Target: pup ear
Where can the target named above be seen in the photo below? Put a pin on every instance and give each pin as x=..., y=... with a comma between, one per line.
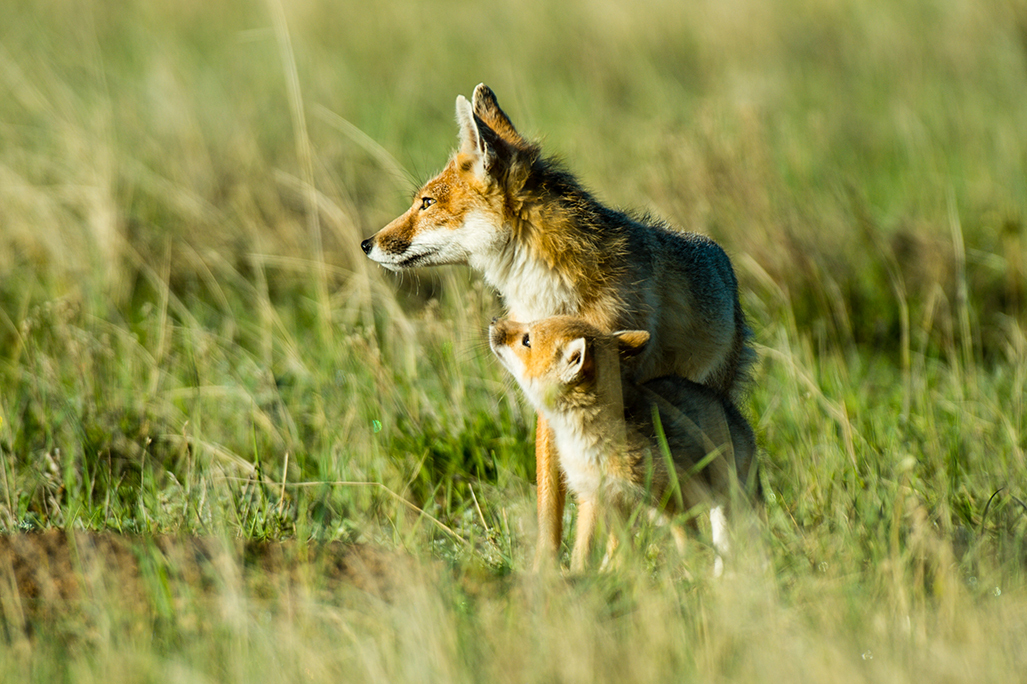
x=576, y=359
x=486, y=108
x=481, y=147
x=631, y=343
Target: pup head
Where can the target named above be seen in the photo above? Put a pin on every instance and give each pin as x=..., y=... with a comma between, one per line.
x=560, y=361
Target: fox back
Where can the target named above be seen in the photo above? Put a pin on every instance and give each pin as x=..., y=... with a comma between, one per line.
x=550, y=248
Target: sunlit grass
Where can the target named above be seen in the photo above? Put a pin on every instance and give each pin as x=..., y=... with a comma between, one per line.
x=179, y=356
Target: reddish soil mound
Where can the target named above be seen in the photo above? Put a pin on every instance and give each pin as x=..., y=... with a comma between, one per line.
x=47, y=574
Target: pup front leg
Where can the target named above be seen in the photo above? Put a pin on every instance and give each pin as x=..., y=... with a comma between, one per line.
x=588, y=514
x=610, y=558
x=551, y=496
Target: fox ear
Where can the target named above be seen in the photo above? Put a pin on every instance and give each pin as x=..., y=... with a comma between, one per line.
x=631, y=342
x=486, y=108
x=482, y=147
x=470, y=138
x=576, y=360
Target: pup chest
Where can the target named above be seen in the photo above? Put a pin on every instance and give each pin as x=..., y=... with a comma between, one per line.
x=583, y=459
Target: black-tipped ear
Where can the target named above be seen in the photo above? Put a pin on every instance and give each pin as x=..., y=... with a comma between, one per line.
x=485, y=149
x=631, y=342
x=495, y=151
x=470, y=140
x=486, y=107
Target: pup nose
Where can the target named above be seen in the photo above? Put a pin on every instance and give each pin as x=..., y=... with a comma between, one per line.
x=366, y=245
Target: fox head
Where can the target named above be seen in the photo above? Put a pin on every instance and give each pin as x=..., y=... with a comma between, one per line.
x=563, y=361
x=460, y=214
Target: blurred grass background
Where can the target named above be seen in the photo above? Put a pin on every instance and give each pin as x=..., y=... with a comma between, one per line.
x=191, y=341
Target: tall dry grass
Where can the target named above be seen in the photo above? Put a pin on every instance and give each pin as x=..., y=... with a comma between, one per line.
x=192, y=343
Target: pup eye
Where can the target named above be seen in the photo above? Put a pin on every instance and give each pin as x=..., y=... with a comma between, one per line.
x=526, y=341
x=427, y=202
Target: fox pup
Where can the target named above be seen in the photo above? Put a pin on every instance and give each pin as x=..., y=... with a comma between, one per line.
x=550, y=248
x=606, y=430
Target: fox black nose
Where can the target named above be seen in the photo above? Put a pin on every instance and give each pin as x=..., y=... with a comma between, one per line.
x=366, y=245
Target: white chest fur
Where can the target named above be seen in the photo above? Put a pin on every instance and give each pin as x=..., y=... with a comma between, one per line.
x=583, y=455
x=531, y=288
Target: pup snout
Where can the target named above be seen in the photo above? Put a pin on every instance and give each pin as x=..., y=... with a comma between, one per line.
x=503, y=330
x=496, y=335
x=367, y=244
x=499, y=332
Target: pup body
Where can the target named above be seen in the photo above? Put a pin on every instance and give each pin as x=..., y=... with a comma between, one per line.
x=605, y=428
x=550, y=248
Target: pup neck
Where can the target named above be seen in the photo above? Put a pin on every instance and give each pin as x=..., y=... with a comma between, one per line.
x=597, y=408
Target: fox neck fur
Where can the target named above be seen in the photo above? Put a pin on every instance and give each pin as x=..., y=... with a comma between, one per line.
x=543, y=266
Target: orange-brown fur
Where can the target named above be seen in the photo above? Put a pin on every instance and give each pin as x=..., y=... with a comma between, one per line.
x=607, y=436
x=549, y=247
x=551, y=494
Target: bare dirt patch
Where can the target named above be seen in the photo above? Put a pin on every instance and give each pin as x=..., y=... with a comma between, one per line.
x=58, y=575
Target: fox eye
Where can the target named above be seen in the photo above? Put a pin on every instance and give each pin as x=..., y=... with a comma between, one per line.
x=526, y=341
x=427, y=202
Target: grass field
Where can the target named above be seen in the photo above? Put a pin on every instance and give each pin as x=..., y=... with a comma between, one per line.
x=234, y=449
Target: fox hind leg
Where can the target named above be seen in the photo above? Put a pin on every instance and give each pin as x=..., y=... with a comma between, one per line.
x=718, y=528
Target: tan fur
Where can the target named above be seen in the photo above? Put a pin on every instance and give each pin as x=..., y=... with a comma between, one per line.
x=550, y=248
x=552, y=493
x=604, y=428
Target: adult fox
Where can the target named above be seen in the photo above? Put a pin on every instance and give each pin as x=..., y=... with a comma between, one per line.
x=550, y=248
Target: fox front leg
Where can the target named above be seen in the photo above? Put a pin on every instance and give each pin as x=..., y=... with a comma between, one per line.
x=552, y=493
